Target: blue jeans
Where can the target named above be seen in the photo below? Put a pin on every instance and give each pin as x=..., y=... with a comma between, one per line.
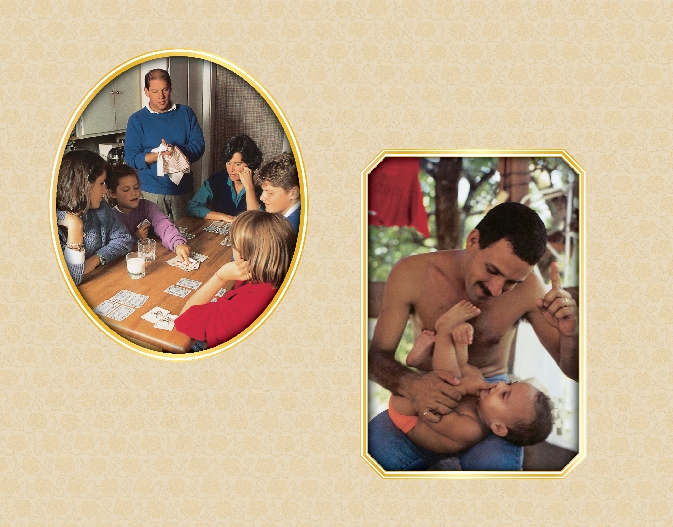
x=393, y=450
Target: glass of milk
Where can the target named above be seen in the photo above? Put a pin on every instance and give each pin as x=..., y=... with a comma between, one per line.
x=135, y=265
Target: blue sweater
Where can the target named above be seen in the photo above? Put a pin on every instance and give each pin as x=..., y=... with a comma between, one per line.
x=144, y=132
x=104, y=234
x=294, y=219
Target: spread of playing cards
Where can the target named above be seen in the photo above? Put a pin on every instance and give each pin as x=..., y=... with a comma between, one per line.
x=186, y=234
x=219, y=227
x=186, y=282
x=121, y=305
x=176, y=290
x=161, y=318
x=192, y=264
x=143, y=311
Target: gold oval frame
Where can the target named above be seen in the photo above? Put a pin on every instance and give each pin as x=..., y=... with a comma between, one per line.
x=582, y=400
x=301, y=235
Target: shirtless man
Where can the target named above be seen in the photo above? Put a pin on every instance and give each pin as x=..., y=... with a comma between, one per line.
x=499, y=256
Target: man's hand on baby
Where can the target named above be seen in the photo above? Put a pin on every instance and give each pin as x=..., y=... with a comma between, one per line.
x=432, y=394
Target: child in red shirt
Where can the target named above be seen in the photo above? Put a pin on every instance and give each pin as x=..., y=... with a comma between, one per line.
x=263, y=245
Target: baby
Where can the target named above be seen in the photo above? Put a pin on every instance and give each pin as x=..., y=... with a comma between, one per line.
x=518, y=412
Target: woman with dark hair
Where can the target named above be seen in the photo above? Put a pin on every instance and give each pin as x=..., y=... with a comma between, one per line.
x=89, y=230
x=229, y=192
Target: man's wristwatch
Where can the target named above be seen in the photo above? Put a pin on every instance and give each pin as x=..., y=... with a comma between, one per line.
x=102, y=260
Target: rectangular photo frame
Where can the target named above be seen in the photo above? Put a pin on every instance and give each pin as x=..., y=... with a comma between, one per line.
x=424, y=201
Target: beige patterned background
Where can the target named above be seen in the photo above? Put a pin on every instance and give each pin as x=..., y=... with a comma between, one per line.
x=268, y=433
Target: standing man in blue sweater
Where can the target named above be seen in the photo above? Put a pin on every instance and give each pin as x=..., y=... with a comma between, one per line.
x=162, y=122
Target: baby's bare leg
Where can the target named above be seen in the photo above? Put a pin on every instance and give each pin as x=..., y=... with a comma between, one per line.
x=462, y=337
x=461, y=312
x=421, y=353
x=445, y=356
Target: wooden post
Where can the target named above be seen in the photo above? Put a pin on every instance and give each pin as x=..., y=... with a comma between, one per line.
x=447, y=214
x=514, y=176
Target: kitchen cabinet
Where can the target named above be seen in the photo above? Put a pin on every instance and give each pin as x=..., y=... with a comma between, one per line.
x=109, y=111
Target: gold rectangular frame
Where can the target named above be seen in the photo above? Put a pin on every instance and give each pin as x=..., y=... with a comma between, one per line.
x=582, y=318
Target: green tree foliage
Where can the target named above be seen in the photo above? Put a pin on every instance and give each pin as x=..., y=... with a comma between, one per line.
x=479, y=184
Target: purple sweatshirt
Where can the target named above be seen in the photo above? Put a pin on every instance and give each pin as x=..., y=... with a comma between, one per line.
x=163, y=227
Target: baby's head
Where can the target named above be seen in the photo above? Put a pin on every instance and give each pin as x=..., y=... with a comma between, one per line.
x=123, y=187
x=517, y=411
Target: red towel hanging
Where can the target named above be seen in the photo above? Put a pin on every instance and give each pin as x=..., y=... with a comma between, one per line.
x=395, y=195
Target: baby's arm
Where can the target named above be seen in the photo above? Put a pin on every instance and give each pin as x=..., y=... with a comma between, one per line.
x=445, y=356
x=472, y=381
x=453, y=433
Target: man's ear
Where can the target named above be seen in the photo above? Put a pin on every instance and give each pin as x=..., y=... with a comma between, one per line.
x=472, y=239
x=499, y=428
x=294, y=193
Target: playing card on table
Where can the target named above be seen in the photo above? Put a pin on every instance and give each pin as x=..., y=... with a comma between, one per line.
x=178, y=291
x=191, y=264
x=219, y=227
x=129, y=298
x=198, y=257
x=120, y=313
x=104, y=308
x=219, y=294
x=191, y=284
x=155, y=314
x=167, y=322
x=186, y=234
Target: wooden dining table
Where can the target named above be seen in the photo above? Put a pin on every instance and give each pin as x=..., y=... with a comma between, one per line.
x=106, y=281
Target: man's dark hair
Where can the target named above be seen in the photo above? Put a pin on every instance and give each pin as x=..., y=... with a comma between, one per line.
x=519, y=225
x=157, y=74
x=244, y=145
x=536, y=431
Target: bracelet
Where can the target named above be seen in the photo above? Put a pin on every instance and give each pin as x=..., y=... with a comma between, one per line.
x=220, y=278
x=75, y=246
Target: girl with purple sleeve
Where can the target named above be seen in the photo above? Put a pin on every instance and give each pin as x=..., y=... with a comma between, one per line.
x=124, y=189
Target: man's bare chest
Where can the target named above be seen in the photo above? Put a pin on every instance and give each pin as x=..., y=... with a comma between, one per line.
x=496, y=321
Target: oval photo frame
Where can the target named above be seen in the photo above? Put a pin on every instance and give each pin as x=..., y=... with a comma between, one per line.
x=70, y=134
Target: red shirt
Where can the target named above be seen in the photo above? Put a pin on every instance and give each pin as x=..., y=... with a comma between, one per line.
x=218, y=322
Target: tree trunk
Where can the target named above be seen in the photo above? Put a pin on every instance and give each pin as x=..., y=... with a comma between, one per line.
x=514, y=176
x=447, y=215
